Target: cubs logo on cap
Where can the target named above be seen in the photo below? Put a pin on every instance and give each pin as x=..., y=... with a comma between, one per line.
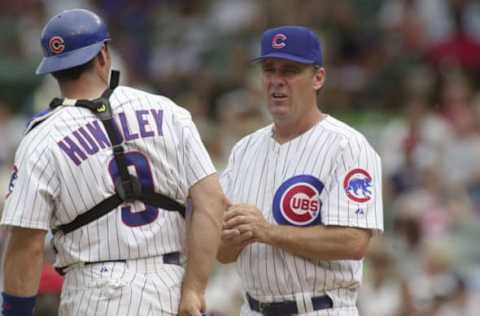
x=294, y=43
x=357, y=184
x=278, y=40
x=297, y=201
x=56, y=45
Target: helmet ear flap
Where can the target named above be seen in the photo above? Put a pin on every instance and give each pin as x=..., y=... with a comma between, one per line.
x=71, y=38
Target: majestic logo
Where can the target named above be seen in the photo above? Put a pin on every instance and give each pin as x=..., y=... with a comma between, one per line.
x=13, y=179
x=357, y=184
x=297, y=201
x=57, y=45
x=278, y=40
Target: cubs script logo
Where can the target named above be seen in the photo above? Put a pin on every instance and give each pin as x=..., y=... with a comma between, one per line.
x=357, y=184
x=278, y=40
x=297, y=201
x=56, y=44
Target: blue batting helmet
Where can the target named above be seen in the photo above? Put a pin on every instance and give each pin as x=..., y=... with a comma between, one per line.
x=71, y=38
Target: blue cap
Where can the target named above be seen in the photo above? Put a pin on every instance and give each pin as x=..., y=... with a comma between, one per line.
x=295, y=43
x=71, y=38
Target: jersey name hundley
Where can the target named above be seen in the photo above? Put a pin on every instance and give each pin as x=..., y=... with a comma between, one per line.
x=90, y=138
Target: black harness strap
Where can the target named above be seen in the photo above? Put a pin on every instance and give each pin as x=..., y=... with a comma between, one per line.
x=127, y=187
x=91, y=215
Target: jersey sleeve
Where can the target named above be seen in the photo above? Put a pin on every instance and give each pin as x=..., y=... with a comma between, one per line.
x=353, y=194
x=229, y=176
x=226, y=177
x=30, y=198
x=196, y=160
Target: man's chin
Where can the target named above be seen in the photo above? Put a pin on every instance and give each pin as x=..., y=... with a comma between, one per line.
x=279, y=116
x=278, y=109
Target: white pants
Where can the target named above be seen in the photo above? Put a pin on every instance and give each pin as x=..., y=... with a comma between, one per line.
x=137, y=287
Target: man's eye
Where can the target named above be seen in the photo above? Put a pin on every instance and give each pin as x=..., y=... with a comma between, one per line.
x=291, y=71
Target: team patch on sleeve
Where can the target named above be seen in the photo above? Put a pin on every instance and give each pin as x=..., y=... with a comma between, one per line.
x=13, y=179
x=358, y=185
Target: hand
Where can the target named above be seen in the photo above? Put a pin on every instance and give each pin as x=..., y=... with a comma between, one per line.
x=191, y=303
x=245, y=223
x=233, y=238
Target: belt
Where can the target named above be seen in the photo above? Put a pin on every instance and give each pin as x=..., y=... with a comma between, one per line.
x=287, y=308
x=168, y=258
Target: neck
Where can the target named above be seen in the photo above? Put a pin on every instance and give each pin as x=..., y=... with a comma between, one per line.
x=86, y=87
x=286, y=131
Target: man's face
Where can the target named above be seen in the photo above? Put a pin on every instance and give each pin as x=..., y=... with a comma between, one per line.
x=290, y=87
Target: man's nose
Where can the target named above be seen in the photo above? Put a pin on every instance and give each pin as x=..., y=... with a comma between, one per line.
x=277, y=78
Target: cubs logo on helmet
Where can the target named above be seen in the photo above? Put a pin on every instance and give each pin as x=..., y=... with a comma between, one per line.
x=297, y=201
x=278, y=40
x=357, y=185
x=57, y=45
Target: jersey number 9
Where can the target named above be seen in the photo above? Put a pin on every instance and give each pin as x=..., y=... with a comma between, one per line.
x=144, y=174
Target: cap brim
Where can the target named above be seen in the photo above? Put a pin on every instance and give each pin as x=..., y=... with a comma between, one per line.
x=284, y=56
x=68, y=60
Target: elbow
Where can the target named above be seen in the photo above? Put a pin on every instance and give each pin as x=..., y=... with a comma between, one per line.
x=222, y=207
x=359, y=252
x=213, y=210
x=31, y=254
x=359, y=244
x=27, y=240
x=222, y=204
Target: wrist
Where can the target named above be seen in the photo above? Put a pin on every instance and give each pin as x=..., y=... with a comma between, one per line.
x=271, y=232
x=17, y=305
x=191, y=286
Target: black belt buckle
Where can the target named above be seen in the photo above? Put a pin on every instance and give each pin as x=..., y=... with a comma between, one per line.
x=172, y=258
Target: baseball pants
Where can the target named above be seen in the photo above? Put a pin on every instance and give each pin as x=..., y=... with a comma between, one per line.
x=135, y=287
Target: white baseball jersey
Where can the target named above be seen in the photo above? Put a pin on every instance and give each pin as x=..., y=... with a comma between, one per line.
x=329, y=175
x=64, y=167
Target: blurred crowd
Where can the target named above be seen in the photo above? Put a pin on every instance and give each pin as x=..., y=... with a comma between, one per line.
x=404, y=72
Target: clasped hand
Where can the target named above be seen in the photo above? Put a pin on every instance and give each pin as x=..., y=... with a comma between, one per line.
x=244, y=224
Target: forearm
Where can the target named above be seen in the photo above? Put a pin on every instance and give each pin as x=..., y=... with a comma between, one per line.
x=320, y=242
x=23, y=265
x=22, y=274
x=202, y=245
x=228, y=253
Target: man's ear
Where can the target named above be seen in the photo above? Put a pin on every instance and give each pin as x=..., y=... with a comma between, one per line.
x=103, y=63
x=319, y=77
x=103, y=57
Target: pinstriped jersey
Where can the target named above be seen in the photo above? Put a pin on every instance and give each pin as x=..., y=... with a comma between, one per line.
x=64, y=166
x=329, y=175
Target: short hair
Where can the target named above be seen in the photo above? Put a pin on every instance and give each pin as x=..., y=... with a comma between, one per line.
x=75, y=72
